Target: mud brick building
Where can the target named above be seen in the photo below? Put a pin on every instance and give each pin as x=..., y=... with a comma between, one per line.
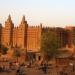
x=29, y=37
x=23, y=36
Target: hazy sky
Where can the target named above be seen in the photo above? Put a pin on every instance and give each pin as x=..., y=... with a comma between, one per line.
x=48, y=12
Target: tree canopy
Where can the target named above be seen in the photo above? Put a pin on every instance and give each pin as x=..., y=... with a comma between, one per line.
x=4, y=49
x=49, y=44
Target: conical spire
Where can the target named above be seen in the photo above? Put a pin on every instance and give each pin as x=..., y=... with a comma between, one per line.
x=23, y=22
x=9, y=22
x=23, y=19
x=9, y=18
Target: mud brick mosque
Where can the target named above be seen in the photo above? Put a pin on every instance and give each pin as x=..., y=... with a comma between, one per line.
x=29, y=37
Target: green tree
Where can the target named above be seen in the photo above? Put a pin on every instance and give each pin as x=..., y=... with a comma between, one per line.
x=73, y=36
x=17, y=53
x=4, y=49
x=49, y=44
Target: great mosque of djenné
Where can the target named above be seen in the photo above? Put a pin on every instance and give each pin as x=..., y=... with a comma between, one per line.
x=29, y=37
x=23, y=36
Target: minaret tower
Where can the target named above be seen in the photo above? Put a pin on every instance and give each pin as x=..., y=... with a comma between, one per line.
x=9, y=31
x=23, y=28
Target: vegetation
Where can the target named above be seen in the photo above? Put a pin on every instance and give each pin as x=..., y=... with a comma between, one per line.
x=73, y=34
x=4, y=49
x=49, y=44
x=16, y=52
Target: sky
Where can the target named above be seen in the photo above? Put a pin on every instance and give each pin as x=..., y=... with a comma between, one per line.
x=53, y=13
